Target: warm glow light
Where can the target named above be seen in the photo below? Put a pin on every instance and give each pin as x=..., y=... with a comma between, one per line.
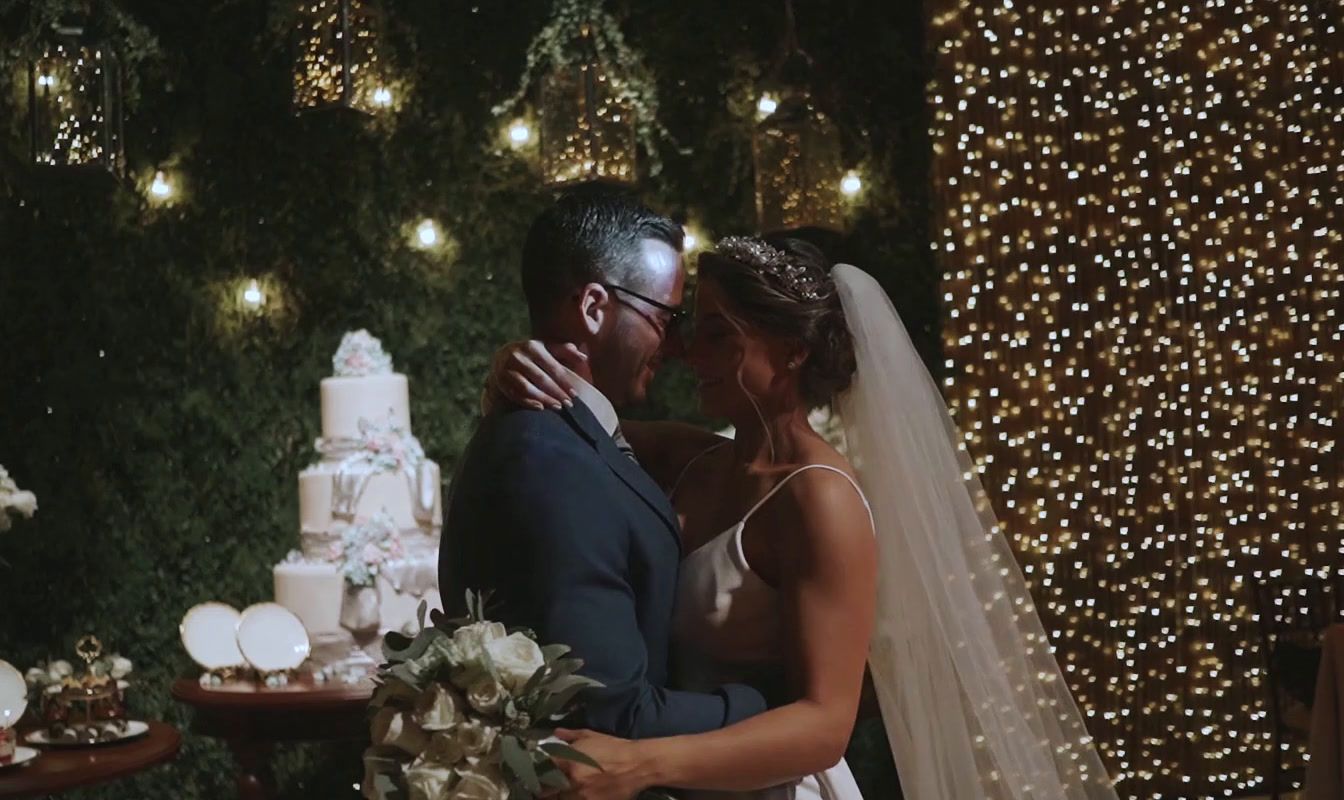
x=850, y=185
x=253, y=297
x=160, y=187
x=1138, y=222
x=519, y=133
x=767, y=105
x=427, y=233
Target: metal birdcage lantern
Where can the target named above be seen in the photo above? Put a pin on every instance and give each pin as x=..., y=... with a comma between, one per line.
x=796, y=148
x=587, y=126
x=75, y=102
x=797, y=155
x=339, y=63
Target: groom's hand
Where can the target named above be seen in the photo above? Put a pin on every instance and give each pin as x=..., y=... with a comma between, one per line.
x=625, y=768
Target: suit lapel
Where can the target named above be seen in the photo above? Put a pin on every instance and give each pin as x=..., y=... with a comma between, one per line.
x=625, y=468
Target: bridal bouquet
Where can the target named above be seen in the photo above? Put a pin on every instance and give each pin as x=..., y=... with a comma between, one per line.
x=461, y=713
x=13, y=500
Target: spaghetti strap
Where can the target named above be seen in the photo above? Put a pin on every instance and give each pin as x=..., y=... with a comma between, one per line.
x=676, y=484
x=802, y=469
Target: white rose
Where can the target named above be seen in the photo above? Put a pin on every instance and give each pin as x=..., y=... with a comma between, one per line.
x=480, y=781
x=23, y=502
x=444, y=748
x=468, y=651
x=60, y=669
x=438, y=708
x=485, y=695
x=476, y=737
x=516, y=658
x=396, y=728
x=121, y=667
x=428, y=781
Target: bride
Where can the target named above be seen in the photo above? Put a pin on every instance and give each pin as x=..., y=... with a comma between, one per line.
x=800, y=567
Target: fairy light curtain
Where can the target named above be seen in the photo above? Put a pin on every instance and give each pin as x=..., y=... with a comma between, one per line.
x=1138, y=216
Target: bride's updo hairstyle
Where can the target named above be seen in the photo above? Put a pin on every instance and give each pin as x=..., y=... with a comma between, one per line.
x=782, y=286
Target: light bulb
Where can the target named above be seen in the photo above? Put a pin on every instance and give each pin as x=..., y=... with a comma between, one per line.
x=46, y=80
x=427, y=233
x=519, y=133
x=850, y=185
x=767, y=105
x=253, y=297
x=688, y=241
x=160, y=187
x=382, y=96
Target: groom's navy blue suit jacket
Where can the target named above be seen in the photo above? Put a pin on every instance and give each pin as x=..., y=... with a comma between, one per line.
x=579, y=544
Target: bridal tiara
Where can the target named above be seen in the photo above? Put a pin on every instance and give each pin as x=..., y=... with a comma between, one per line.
x=773, y=262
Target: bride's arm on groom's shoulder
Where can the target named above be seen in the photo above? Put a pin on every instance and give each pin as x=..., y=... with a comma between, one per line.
x=665, y=448
x=828, y=585
x=532, y=374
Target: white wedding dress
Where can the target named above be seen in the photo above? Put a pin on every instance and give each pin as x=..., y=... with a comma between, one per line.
x=973, y=701
x=727, y=627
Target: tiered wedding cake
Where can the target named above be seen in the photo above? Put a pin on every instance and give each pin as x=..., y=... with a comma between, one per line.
x=369, y=511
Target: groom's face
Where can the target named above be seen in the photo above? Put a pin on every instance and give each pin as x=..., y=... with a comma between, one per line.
x=629, y=350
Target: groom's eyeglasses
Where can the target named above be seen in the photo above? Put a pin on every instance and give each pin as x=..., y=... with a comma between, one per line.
x=676, y=316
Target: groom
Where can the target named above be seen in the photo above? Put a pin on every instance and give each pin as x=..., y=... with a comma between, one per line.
x=549, y=509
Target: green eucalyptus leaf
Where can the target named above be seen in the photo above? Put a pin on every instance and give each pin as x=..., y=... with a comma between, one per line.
x=519, y=763
x=562, y=750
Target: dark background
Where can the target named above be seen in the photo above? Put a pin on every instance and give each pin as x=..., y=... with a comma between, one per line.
x=161, y=428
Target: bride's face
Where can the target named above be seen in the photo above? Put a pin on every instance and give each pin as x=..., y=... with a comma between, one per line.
x=731, y=359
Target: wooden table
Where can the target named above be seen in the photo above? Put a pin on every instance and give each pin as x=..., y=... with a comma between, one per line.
x=57, y=769
x=251, y=719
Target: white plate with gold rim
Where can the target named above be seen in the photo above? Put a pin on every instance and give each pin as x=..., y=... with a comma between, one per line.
x=209, y=632
x=22, y=755
x=272, y=638
x=13, y=695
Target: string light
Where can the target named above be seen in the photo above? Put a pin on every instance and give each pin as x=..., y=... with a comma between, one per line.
x=160, y=188
x=382, y=97
x=851, y=184
x=253, y=297
x=767, y=105
x=520, y=134
x=1141, y=237
x=427, y=234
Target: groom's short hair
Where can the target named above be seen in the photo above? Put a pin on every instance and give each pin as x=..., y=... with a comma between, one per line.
x=590, y=234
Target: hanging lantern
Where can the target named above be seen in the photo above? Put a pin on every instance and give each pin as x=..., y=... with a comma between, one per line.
x=796, y=149
x=799, y=169
x=75, y=102
x=339, y=63
x=587, y=122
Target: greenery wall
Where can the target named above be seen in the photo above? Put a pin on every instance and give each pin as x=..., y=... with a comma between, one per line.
x=162, y=428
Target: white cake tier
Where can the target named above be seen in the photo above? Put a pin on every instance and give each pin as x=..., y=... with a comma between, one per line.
x=411, y=506
x=317, y=592
x=346, y=400
x=313, y=591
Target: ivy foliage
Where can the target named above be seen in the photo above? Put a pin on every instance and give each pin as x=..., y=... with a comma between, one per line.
x=161, y=425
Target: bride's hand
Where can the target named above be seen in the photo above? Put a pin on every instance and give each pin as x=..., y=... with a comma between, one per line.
x=624, y=772
x=530, y=374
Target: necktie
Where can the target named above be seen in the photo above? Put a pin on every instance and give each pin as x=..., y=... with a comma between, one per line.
x=624, y=446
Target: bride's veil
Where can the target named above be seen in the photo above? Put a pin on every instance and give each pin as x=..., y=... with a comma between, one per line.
x=971, y=695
